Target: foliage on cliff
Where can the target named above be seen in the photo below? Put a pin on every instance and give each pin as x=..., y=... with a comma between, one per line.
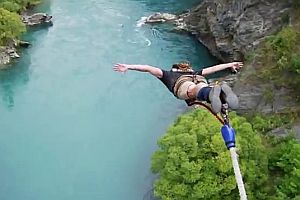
x=281, y=51
x=17, y=5
x=193, y=163
x=284, y=164
x=11, y=25
x=280, y=56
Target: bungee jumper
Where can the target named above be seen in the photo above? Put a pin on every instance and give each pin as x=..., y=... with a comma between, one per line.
x=189, y=85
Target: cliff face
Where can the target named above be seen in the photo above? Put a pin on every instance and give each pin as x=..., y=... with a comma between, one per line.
x=230, y=28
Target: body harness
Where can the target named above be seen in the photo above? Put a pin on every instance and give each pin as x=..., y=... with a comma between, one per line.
x=191, y=78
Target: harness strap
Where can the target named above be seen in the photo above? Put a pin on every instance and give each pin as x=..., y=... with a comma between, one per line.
x=192, y=78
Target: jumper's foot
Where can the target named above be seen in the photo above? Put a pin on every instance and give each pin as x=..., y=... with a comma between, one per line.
x=229, y=97
x=214, y=98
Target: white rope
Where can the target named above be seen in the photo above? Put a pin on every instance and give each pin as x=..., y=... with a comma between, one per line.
x=238, y=175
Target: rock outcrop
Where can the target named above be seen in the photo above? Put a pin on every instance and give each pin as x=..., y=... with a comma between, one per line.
x=9, y=52
x=4, y=57
x=230, y=28
x=258, y=96
x=264, y=98
x=160, y=18
x=37, y=19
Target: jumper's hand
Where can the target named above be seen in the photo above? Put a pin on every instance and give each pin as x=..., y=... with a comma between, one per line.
x=236, y=66
x=120, y=68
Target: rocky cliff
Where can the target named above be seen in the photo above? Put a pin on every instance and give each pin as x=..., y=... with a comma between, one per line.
x=230, y=28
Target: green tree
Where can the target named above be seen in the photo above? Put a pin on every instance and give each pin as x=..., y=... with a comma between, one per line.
x=285, y=163
x=10, y=6
x=17, y=5
x=193, y=162
x=11, y=26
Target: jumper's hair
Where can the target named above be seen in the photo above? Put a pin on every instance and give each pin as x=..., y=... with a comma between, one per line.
x=184, y=67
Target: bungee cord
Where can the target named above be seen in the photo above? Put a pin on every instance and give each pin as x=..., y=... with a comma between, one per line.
x=237, y=172
x=228, y=134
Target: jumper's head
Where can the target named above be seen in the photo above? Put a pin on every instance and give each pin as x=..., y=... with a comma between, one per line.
x=183, y=67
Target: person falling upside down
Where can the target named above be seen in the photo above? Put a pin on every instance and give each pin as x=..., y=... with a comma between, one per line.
x=189, y=85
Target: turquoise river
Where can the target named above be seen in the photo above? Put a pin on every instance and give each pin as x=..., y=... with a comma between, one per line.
x=73, y=129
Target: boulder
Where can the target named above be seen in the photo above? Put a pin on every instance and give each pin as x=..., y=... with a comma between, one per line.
x=6, y=55
x=8, y=52
x=12, y=53
x=4, y=58
x=23, y=44
x=160, y=18
x=37, y=19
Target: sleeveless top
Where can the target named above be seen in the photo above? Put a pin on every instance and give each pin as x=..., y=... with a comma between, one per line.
x=169, y=78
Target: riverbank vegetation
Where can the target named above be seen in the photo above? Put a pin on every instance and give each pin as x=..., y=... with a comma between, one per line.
x=11, y=25
x=17, y=5
x=193, y=163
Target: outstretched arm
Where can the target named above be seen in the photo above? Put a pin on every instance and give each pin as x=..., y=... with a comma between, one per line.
x=235, y=66
x=157, y=72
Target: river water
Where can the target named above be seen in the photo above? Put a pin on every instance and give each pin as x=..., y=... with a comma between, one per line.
x=70, y=127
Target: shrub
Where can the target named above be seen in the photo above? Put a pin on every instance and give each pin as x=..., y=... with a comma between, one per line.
x=17, y=5
x=285, y=161
x=265, y=123
x=283, y=43
x=295, y=63
x=193, y=162
x=281, y=59
x=11, y=26
x=296, y=3
x=10, y=6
